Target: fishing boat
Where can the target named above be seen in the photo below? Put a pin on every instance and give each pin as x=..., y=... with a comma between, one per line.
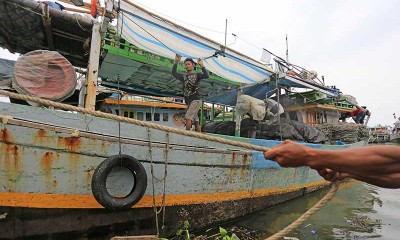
x=395, y=134
x=84, y=173
x=380, y=134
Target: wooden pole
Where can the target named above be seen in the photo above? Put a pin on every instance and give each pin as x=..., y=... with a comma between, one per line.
x=93, y=68
x=238, y=117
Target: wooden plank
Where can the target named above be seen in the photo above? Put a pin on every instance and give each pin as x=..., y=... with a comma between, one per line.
x=93, y=66
x=322, y=106
x=149, y=104
x=145, y=237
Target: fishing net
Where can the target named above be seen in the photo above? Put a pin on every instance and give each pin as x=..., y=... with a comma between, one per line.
x=343, y=131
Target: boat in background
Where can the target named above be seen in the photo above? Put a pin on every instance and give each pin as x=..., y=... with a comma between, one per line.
x=380, y=134
x=67, y=175
x=395, y=135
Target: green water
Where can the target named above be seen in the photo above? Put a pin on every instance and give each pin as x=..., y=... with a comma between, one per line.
x=358, y=211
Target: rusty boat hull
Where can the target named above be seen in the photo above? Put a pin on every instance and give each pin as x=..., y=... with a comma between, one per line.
x=48, y=157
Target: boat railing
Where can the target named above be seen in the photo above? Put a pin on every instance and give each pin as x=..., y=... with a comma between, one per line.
x=298, y=72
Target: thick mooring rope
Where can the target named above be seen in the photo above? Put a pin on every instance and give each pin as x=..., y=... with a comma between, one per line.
x=278, y=235
x=294, y=225
x=133, y=121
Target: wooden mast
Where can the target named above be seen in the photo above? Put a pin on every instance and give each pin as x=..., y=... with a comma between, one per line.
x=99, y=29
x=93, y=68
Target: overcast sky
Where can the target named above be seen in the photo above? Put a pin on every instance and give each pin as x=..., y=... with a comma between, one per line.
x=354, y=44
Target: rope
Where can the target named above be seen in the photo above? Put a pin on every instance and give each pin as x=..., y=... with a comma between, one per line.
x=307, y=214
x=152, y=182
x=291, y=227
x=134, y=121
x=166, y=151
x=162, y=207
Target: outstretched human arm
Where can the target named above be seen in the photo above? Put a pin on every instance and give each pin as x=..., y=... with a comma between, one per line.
x=174, y=72
x=204, y=72
x=386, y=181
x=362, y=162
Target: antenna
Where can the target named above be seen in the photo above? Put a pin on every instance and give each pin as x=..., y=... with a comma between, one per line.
x=287, y=50
x=226, y=30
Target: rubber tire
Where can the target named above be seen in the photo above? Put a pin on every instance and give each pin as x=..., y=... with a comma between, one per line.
x=101, y=173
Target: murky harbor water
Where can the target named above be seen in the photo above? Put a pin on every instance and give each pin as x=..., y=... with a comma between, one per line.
x=358, y=211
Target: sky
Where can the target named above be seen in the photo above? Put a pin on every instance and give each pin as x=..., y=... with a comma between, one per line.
x=354, y=44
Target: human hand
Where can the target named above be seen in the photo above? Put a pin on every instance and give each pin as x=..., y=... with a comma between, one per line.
x=200, y=62
x=332, y=176
x=290, y=154
x=177, y=58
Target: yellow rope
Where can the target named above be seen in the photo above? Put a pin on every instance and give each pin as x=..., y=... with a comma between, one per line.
x=278, y=235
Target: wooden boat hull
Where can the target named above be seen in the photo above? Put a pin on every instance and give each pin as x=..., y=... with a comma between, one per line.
x=104, y=224
x=48, y=157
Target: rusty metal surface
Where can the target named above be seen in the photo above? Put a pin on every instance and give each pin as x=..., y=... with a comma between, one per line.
x=48, y=157
x=51, y=159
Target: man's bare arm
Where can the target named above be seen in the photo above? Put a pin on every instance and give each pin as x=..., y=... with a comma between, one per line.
x=366, y=161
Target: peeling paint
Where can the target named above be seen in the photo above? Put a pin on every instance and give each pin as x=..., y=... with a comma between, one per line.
x=46, y=165
x=245, y=167
x=5, y=136
x=233, y=164
x=55, y=183
x=89, y=174
x=72, y=143
x=11, y=161
x=16, y=158
x=47, y=162
x=41, y=137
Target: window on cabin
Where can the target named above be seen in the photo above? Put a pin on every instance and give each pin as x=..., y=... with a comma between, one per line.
x=165, y=117
x=314, y=118
x=126, y=113
x=293, y=116
x=148, y=116
x=139, y=116
x=156, y=117
x=131, y=115
x=117, y=112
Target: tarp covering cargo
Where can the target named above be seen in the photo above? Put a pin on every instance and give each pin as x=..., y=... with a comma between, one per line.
x=288, y=129
x=247, y=104
x=44, y=74
x=228, y=127
x=6, y=72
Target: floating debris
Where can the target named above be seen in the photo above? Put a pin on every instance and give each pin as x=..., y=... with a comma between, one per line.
x=3, y=216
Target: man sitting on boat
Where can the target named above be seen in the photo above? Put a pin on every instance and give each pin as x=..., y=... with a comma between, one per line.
x=190, y=82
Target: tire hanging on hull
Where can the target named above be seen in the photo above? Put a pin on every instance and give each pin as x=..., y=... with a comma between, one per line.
x=101, y=173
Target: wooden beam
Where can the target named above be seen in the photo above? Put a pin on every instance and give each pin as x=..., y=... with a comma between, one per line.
x=146, y=237
x=93, y=68
x=296, y=108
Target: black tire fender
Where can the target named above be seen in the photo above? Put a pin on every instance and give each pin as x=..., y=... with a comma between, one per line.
x=101, y=173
